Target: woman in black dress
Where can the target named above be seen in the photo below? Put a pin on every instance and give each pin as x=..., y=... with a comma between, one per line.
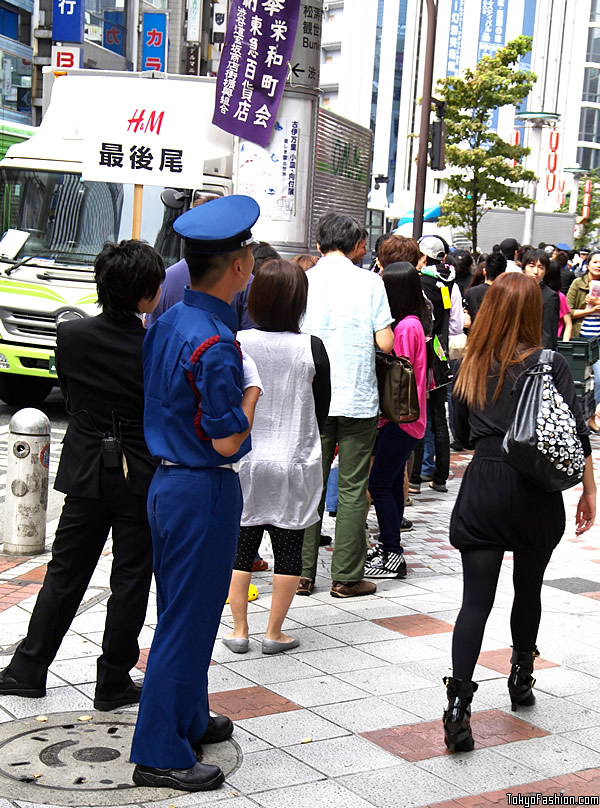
x=498, y=509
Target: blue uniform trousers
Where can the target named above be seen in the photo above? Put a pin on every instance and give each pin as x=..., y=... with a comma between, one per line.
x=194, y=516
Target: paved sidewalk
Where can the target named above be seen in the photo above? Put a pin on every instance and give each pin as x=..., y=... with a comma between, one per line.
x=352, y=716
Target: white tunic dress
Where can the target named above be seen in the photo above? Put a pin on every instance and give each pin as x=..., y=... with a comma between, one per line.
x=282, y=477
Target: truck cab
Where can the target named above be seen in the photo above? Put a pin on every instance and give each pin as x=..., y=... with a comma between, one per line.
x=54, y=224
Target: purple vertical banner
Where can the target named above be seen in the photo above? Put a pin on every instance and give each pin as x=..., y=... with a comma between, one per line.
x=254, y=66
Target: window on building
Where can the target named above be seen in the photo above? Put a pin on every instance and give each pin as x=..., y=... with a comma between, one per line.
x=106, y=24
x=591, y=85
x=595, y=11
x=9, y=23
x=588, y=158
x=593, y=46
x=589, y=125
x=15, y=93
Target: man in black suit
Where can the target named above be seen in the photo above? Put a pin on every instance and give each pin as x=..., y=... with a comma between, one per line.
x=535, y=264
x=105, y=470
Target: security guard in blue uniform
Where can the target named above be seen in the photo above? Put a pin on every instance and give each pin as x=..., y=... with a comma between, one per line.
x=199, y=405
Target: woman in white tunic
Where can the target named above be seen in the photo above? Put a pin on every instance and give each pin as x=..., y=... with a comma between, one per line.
x=281, y=477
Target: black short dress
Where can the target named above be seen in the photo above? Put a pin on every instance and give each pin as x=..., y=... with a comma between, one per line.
x=496, y=506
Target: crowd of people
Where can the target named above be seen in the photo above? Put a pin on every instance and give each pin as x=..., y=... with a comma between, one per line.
x=222, y=420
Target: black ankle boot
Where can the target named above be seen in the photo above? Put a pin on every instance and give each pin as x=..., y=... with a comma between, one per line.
x=520, y=680
x=457, y=716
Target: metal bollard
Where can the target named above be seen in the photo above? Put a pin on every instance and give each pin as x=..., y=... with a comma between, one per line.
x=27, y=482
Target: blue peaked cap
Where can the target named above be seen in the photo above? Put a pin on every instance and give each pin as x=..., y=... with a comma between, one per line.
x=219, y=226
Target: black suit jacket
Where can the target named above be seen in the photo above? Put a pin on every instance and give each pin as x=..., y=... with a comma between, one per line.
x=551, y=305
x=99, y=367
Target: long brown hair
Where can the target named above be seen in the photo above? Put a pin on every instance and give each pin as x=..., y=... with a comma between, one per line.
x=507, y=329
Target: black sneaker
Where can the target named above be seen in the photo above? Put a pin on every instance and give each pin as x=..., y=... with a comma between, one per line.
x=386, y=565
x=405, y=525
x=374, y=551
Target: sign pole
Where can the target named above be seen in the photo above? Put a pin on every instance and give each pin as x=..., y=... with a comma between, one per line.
x=136, y=219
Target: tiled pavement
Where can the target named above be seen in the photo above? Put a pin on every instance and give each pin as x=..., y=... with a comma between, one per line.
x=352, y=716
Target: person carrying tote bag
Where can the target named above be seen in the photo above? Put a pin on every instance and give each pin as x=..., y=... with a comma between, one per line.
x=498, y=508
x=396, y=441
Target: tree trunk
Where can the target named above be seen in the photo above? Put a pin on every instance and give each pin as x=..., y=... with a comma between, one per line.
x=474, y=222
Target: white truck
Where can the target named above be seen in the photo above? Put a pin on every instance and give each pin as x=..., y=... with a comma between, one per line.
x=55, y=221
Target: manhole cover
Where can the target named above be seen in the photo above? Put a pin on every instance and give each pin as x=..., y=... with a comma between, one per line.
x=69, y=761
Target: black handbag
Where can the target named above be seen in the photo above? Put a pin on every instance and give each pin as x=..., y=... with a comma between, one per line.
x=398, y=397
x=542, y=441
x=438, y=367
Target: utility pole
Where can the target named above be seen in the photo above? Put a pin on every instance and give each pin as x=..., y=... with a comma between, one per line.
x=419, y=209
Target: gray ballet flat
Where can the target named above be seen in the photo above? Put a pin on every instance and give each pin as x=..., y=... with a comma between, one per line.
x=239, y=645
x=275, y=647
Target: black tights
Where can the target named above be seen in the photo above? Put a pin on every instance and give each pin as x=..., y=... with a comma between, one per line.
x=481, y=569
x=287, y=548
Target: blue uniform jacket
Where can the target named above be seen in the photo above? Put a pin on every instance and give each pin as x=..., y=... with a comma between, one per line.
x=193, y=393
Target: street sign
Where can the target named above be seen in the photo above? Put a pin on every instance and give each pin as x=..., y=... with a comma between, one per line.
x=63, y=56
x=154, y=39
x=68, y=17
x=113, y=33
x=305, y=62
x=219, y=22
x=194, y=21
x=192, y=60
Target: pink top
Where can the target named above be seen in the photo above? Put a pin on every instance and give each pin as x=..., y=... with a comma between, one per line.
x=409, y=341
x=563, y=308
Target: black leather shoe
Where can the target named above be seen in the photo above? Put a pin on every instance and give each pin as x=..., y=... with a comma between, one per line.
x=219, y=729
x=201, y=777
x=11, y=686
x=119, y=698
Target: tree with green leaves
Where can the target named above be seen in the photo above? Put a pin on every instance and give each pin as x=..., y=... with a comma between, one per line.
x=592, y=223
x=484, y=169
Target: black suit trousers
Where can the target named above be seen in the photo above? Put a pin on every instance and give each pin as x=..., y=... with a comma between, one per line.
x=436, y=412
x=80, y=538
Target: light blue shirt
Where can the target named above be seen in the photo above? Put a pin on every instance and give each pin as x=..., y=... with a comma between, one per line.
x=346, y=306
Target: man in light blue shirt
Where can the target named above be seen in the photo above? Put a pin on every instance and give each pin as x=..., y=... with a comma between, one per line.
x=348, y=309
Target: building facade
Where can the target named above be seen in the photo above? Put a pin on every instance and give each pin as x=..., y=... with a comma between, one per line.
x=16, y=55
x=565, y=57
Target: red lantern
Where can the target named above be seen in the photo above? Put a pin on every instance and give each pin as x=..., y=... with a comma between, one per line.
x=554, y=138
x=587, y=187
x=550, y=182
x=561, y=186
x=552, y=161
x=561, y=198
x=515, y=137
x=587, y=199
x=585, y=214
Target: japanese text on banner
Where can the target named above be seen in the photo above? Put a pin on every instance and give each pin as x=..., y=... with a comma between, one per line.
x=455, y=36
x=154, y=47
x=254, y=66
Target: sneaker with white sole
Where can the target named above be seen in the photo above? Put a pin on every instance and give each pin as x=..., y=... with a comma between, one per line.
x=373, y=551
x=405, y=525
x=386, y=564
